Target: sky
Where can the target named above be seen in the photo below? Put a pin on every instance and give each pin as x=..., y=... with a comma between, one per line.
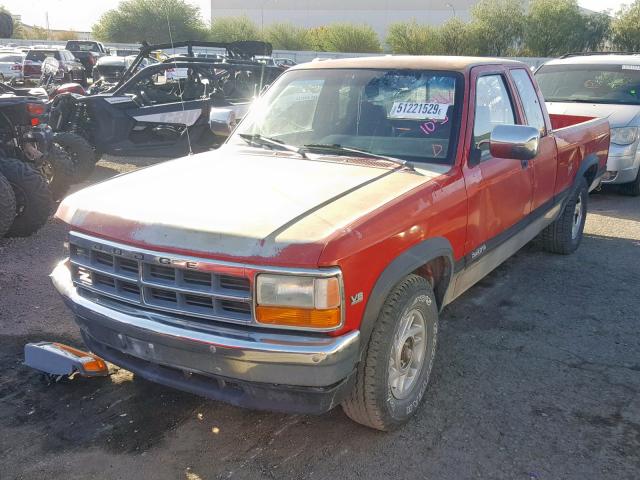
x=81, y=14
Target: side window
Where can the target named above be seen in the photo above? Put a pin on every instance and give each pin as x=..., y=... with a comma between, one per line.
x=529, y=98
x=493, y=107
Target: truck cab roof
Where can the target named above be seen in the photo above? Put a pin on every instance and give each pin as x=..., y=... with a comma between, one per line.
x=410, y=62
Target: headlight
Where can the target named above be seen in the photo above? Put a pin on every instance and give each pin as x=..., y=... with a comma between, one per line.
x=298, y=301
x=624, y=135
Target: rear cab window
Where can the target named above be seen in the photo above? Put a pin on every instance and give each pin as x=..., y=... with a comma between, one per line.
x=40, y=55
x=529, y=97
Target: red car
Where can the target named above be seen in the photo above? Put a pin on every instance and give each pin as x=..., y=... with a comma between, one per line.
x=303, y=265
x=71, y=70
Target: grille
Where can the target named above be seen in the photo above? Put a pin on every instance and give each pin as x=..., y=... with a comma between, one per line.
x=133, y=277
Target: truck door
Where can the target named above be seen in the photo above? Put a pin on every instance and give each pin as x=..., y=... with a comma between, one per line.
x=499, y=190
x=545, y=165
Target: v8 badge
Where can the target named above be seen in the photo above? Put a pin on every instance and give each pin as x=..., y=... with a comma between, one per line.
x=357, y=298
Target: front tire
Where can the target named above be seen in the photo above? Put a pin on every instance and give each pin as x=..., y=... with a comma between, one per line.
x=564, y=235
x=393, y=375
x=33, y=198
x=7, y=206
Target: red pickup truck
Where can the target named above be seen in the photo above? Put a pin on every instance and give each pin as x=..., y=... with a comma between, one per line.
x=303, y=264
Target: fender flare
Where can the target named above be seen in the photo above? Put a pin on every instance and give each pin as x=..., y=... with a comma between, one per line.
x=407, y=262
x=588, y=162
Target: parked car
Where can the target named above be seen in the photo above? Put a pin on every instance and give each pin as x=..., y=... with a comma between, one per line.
x=284, y=62
x=71, y=70
x=303, y=264
x=163, y=109
x=606, y=85
x=86, y=52
x=110, y=69
x=11, y=66
x=123, y=52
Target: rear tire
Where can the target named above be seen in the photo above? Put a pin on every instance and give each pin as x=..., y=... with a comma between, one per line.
x=393, y=375
x=80, y=151
x=58, y=169
x=7, y=206
x=33, y=198
x=564, y=235
x=632, y=188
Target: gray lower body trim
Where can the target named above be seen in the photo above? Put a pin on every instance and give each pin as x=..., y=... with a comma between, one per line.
x=477, y=270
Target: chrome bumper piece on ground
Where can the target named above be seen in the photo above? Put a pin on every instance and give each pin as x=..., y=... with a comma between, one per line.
x=308, y=373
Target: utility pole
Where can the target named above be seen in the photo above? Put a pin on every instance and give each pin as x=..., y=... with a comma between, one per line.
x=46, y=16
x=452, y=8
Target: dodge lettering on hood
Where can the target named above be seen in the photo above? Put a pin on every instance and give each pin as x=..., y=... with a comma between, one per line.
x=304, y=264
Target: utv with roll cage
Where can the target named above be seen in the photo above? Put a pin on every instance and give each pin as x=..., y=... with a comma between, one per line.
x=163, y=109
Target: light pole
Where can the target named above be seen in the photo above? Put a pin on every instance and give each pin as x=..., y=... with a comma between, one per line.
x=262, y=14
x=452, y=8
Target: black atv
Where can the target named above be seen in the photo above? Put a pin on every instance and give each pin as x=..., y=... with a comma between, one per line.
x=163, y=109
x=37, y=171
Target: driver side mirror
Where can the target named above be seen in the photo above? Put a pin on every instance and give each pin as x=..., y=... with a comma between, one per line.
x=222, y=121
x=519, y=142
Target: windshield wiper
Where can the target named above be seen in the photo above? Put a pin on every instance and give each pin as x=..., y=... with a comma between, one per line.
x=259, y=140
x=338, y=149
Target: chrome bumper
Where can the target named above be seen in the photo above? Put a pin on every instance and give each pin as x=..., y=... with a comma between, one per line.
x=236, y=353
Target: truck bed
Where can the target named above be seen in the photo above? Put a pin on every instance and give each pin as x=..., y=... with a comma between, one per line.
x=578, y=137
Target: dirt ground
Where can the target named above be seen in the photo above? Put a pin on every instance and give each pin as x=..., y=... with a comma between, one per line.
x=537, y=377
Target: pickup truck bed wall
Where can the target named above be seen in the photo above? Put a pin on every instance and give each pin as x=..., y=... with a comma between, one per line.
x=582, y=143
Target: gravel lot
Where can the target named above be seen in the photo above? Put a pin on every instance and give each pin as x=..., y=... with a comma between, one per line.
x=537, y=377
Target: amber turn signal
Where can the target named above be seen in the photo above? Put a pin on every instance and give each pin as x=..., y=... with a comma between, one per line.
x=91, y=363
x=298, y=317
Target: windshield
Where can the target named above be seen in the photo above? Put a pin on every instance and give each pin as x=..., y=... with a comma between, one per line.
x=406, y=114
x=616, y=84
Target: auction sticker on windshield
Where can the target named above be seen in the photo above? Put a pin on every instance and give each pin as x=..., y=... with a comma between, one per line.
x=419, y=111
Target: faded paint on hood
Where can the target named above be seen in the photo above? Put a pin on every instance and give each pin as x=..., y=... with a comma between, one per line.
x=231, y=204
x=618, y=115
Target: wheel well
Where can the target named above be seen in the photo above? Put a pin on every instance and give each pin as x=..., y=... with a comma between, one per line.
x=590, y=174
x=438, y=273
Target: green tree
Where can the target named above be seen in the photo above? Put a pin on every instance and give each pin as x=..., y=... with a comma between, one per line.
x=496, y=27
x=625, y=30
x=597, y=30
x=454, y=38
x=137, y=20
x=345, y=37
x=554, y=27
x=413, y=39
x=287, y=36
x=232, y=29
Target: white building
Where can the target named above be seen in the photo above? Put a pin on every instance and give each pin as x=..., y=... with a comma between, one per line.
x=312, y=13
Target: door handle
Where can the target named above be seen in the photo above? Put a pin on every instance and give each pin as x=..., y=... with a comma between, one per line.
x=524, y=163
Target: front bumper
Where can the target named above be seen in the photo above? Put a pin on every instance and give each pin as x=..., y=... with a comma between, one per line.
x=245, y=367
x=625, y=166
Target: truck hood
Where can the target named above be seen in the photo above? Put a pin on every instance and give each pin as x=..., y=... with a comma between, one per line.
x=618, y=115
x=236, y=203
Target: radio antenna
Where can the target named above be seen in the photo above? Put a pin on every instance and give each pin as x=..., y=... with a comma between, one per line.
x=180, y=91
